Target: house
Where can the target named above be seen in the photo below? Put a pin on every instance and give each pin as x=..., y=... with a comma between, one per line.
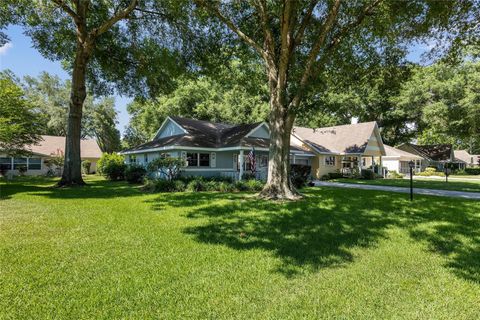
x=345, y=148
x=469, y=160
x=47, y=148
x=434, y=155
x=213, y=149
x=398, y=160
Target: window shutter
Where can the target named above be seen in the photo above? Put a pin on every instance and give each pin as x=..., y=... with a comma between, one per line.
x=213, y=159
x=184, y=157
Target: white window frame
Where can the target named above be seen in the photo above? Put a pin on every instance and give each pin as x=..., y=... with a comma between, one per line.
x=334, y=161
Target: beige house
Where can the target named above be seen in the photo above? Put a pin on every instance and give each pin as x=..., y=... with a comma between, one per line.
x=469, y=160
x=48, y=147
x=398, y=160
x=344, y=148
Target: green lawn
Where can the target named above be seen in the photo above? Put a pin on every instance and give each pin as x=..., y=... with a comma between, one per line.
x=470, y=186
x=109, y=251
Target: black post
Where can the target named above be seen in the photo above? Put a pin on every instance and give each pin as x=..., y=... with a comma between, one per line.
x=411, y=183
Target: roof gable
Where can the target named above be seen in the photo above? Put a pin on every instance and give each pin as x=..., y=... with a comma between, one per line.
x=261, y=131
x=169, y=128
x=352, y=138
x=435, y=152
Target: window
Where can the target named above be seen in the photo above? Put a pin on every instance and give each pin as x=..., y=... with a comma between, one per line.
x=6, y=163
x=19, y=163
x=34, y=164
x=330, y=161
x=133, y=158
x=364, y=162
x=204, y=159
x=192, y=159
x=263, y=161
x=301, y=161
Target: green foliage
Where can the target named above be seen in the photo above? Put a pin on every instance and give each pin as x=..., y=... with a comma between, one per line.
x=86, y=166
x=207, y=98
x=197, y=185
x=299, y=175
x=473, y=171
x=18, y=120
x=51, y=97
x=169, y=167
x=430, y=172
x=135, y=173
x=367, y=174
x=395, y=175
x=446, y=102
x=112, y=166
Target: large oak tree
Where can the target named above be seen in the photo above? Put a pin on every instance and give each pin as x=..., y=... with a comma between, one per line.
x=299, y=41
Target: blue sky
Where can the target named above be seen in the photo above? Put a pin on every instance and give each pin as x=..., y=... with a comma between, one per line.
x=19, y=56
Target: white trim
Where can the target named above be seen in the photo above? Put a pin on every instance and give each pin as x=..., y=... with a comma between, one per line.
x=163, y=124
x=257, y=127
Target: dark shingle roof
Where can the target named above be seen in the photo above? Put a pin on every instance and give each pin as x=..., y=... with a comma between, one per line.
x=205, y=134
x=435, y=152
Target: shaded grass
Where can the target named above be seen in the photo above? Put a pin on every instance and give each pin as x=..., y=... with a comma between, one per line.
x=467, y=186
x=109, y=251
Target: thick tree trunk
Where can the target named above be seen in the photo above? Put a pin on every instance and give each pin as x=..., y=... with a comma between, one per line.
x=72, y=173
x=279, y=186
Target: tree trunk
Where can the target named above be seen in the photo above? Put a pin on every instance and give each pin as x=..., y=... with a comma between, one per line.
x=72, y=173
x=279, y=186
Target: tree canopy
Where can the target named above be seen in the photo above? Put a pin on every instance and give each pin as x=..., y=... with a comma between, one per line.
x=18, y=120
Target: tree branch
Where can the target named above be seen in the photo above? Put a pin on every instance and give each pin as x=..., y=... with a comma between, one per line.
x=207, y=4
x=269, y=40
x=110, y=22
x=67, y=9
x=305, y=21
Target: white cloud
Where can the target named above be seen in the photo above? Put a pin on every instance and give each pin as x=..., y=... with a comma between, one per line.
x=4, y=48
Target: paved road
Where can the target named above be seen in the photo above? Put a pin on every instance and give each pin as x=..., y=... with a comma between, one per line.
x=428, y=192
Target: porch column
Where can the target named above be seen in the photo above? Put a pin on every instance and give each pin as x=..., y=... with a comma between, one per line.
x=241, y=165
x=293, y=158
x=359, y=163
x=381, y=167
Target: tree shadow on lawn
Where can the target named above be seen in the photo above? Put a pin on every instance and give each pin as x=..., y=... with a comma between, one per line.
x=95, y=189
x=324, y=229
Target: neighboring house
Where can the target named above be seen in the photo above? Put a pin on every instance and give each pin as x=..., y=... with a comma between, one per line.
x=398, y=160
x=343, y=148
x=470, y=160
x=48, y=147
x=435, y=155
x=212, y=149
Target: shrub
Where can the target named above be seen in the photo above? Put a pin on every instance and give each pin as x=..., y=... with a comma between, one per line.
x=196, y=185
x=22, y=169
x=86, y=165
x=473, y=171
x=334, y=175
x=135, y=173
x=179, y=186
x=248, y=176
x=169, y=167
x=241, y=186
x=368, y=174
x=3, y=169
x=211, y=185
x=111, y=165
x=395, y=175
x=254, y=185
x=164, y=186
x=430, y=171
x=299, y=174
x=225, y=186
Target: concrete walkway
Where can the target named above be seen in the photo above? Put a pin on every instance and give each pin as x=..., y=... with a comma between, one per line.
x=428, y=192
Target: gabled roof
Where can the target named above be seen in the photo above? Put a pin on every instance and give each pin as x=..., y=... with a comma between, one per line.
x=349, y=138
x=435, y=152
x=394, y=152
x=465, y=156
x=206, y=134
x=49, y=145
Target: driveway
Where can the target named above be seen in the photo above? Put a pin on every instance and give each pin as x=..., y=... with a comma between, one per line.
x=427, y=192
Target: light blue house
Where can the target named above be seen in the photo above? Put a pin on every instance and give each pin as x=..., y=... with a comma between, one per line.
x=213, y=149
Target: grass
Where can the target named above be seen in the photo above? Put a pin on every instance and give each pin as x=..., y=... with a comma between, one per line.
x=468, y=186
x=108, y=251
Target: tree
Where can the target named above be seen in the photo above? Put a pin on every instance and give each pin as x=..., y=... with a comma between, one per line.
x=18, y=121
x=299, y=40
x=57, y=26
x=104, y=125
x=446, y=103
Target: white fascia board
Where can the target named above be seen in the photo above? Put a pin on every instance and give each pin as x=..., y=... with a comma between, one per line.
x=165, y=122
x=259, y=126
x=191, y=148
